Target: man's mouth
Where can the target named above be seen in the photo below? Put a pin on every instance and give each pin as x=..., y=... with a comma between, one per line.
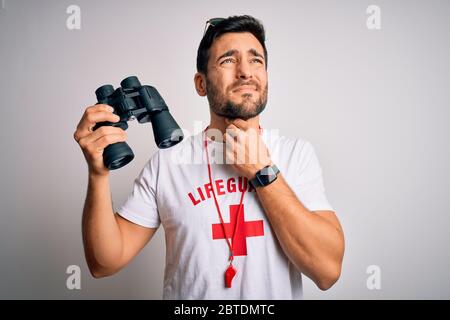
x=245, y=87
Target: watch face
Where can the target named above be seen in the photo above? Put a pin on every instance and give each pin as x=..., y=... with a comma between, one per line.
x=266, y=175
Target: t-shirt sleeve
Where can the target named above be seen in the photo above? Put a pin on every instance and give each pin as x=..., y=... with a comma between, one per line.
x=309, y=186
x=141, y=205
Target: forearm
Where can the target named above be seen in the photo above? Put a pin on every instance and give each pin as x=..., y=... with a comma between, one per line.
x=101, y=233
x=311, y=242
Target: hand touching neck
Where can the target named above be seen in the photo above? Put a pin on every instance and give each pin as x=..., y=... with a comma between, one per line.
x=219, y=122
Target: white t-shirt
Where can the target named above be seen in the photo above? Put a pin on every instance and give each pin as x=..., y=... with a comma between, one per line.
x=173, y=189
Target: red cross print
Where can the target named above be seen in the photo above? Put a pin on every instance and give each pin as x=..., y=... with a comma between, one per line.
x=244, y=229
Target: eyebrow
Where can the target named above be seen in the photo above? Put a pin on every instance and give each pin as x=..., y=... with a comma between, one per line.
x=232, y=52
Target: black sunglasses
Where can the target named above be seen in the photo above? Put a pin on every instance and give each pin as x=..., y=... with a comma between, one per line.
x=212, y=22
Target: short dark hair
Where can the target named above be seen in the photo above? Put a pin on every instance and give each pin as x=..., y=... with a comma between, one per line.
x=244, y=23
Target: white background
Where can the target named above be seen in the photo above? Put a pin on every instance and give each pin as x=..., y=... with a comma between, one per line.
x=374, y=103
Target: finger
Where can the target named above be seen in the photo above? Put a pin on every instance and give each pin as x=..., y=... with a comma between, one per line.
x=99, y=107
x=231, y=145
x=240, y=123
x=229, y=157
x=92, y=118
x=231, y=126
x=95, y=109
x=238, y=134
x=100, y=116
x=232, y=130
x=100, y=144
x=229, y=150
x=253, y=138
x=102, y=131
x=84, y=127
x=229, y=140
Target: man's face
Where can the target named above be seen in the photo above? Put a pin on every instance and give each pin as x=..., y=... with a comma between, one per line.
x=236, y=82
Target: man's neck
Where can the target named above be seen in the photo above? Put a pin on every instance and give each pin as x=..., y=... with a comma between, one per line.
x=218, y=122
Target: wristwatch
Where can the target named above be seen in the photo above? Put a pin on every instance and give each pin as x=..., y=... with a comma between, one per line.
x=265, y=176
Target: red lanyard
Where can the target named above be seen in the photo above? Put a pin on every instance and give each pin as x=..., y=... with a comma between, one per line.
x=231, y=271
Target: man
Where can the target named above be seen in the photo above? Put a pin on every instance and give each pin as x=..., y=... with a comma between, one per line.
x=239, y=229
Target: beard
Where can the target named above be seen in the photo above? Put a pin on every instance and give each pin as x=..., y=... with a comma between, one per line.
x=245, y=110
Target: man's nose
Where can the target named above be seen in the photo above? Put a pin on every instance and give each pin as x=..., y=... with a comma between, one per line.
x=244, y=70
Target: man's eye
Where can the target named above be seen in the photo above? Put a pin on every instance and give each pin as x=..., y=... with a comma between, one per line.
x=228, y=60
x=257, y=60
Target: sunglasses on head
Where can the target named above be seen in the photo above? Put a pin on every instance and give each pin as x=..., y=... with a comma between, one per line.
x=212, y=22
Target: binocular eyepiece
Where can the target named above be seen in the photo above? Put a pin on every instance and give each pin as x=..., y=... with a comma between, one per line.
x=134, y=101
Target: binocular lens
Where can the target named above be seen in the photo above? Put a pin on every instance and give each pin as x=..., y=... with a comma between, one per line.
x=130, y=83
x=167, y=143
x=175, y=137
x=104, y=91
x=119, y=163
x=117, y=155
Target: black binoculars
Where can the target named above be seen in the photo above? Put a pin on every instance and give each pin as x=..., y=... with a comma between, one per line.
x=133, y=101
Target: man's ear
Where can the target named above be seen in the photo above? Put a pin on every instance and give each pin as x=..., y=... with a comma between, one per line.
x=200, y=84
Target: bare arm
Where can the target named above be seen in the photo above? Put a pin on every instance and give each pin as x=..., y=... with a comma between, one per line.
x=313, y=241
x=110, y=241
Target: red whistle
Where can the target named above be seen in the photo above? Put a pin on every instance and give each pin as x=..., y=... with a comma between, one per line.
x=229, y=275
